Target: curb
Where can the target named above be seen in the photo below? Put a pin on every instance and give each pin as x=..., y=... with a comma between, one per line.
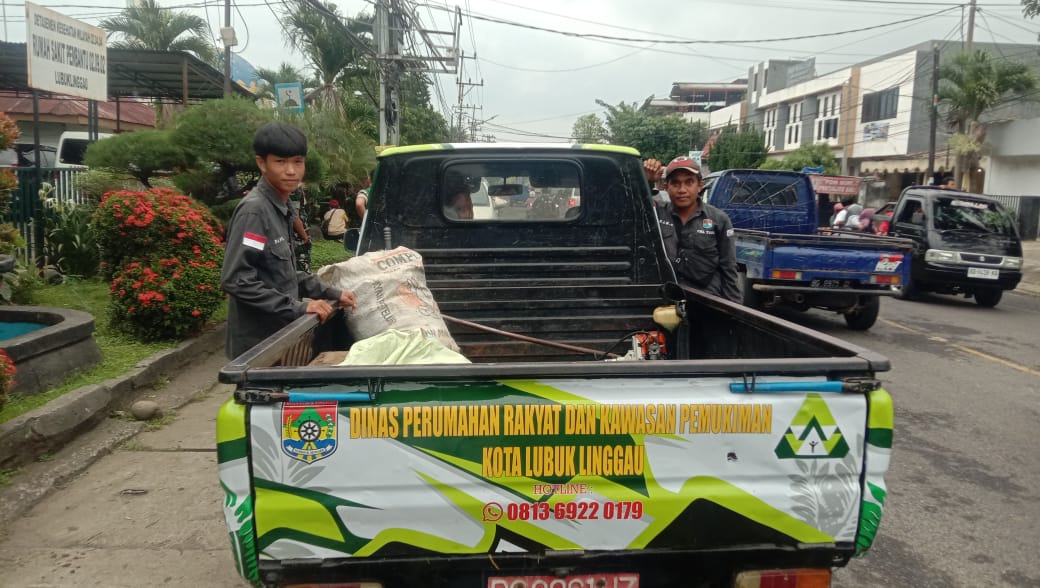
x=48, y=428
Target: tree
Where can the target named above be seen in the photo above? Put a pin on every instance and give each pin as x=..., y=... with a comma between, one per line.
x=146, y=25
x=589, y=129
x=139, y=154
x=334, y=50
x=738, y=149
x=971, y=85
x=286, y=73
x=660, y=136
x=220, y=135
x=1030, y=8
x=814, y=155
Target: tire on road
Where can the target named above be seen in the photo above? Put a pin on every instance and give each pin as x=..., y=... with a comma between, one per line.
x=865, y=315
x=988, y=298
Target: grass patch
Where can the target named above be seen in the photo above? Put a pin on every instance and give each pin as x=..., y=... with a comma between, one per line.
x=6, y=475
x=119, y=352
x=326, y=252
x=157, y=423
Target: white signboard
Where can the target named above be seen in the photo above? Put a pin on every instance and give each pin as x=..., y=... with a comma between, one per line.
x=65, y=56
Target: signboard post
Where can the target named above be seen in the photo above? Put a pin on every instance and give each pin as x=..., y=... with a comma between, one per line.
x=289, y=96
x=64, y=55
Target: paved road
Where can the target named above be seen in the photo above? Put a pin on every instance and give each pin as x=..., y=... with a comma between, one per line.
x=965, y=475
x=965, y=480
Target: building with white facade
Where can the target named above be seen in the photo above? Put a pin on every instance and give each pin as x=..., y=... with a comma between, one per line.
x=875, y=114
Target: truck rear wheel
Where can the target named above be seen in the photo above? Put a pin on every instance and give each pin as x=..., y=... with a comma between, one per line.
x=865, y=315
x=988, y=298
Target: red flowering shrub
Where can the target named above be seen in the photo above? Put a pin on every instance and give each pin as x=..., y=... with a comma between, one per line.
x=154, y=224
x=168, y=299
x=162, y=251
x=6, y=376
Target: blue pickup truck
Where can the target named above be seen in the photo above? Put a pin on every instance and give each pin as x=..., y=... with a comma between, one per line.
x=784, y=259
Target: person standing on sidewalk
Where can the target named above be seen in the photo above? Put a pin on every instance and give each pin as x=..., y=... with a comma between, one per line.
x=259, y=273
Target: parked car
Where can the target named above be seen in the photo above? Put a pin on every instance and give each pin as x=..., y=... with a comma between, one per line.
x=23, y=155
x=72, y=146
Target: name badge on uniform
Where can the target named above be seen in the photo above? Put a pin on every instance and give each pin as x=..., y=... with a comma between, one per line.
x=253, y=240
x=707, y=224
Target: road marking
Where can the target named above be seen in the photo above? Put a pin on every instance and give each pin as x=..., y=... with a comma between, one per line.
x=975, y=352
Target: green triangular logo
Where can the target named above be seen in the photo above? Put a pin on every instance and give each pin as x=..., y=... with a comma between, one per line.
x=813, y=433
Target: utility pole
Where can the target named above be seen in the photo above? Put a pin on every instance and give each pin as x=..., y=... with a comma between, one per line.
x=971, y=23
x=933, y=123
x=394, y=21
x=227, y=48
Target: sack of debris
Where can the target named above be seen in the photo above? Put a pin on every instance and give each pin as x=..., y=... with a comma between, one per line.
x=391, y=292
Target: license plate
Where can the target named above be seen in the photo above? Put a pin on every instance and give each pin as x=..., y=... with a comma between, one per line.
x=623, y=580
x=984, y=273
x=835, y=284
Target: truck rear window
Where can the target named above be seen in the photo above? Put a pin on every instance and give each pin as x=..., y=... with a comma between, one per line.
x=537, y=191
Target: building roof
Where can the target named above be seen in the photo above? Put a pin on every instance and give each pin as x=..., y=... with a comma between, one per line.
x=173, y=75
x=131, y=112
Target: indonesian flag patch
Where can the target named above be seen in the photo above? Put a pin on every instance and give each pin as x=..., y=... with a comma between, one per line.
x=253, y=240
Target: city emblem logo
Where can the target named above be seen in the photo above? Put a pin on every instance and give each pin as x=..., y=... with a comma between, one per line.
x=813, y=434
x=309, y=430
x=707, y=224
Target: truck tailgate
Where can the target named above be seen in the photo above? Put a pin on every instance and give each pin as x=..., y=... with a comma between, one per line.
x=853, y=257
x=530, y=467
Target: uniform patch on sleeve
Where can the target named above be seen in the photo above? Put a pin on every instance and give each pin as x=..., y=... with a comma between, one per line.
x=729, y=232
x=253, y=240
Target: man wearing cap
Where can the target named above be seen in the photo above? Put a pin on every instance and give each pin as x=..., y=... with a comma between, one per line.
x=698, y=238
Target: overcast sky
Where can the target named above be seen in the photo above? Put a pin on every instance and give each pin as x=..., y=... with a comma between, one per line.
x=536, y=82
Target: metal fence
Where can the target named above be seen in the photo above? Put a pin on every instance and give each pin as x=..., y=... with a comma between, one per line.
x=27, y=208
x=1027, y=211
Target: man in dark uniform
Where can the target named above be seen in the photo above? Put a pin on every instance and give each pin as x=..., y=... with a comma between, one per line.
x=698, y=237
x=259, y=273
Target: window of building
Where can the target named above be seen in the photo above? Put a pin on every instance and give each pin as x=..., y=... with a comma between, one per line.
x=880, y=105
x=827, y=119
x=794, y=124
x=769, y=126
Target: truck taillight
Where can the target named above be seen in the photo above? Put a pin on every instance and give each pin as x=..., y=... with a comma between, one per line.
x=796, y=578
x=879, y=279
x=786, y=275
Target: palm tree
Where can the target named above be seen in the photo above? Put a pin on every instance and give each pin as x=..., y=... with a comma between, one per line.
x=971, y=85
x=285, y=74
x=146, y=25
x=335, y=50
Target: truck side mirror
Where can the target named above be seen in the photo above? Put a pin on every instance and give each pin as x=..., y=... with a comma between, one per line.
x=351, y=239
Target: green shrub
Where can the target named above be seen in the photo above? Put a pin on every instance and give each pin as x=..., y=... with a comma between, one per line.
x=224, y=210
x=71, y=243
x=95, y=183
x=154, y=224
x=168, y=299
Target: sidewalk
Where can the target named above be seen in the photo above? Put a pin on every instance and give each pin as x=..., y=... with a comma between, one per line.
x=147, y=511
x=1030, y=283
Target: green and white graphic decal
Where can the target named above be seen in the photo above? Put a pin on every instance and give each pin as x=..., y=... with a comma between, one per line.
x=879, y=454
x=813, y=434
x=232, y=447
x=526, y=466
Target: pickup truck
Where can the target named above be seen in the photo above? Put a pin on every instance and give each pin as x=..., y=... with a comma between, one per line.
x=724, y=447
x=784, y=259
